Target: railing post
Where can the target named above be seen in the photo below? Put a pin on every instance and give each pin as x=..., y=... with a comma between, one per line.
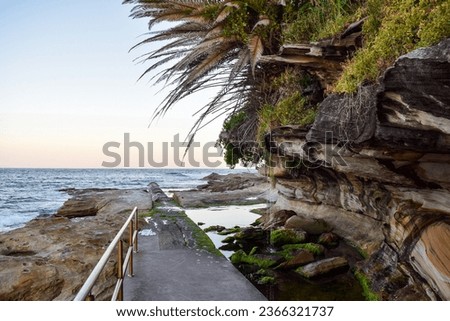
x=130, y=244
x=135, y=245
x=120, y=269
x=85, y=293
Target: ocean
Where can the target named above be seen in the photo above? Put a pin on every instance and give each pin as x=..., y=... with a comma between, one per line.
x=27, y=193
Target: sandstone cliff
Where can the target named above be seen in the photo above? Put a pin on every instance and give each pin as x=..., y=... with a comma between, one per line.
x=375, y=165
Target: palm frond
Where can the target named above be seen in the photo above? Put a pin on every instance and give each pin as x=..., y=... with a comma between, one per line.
x=256, y=48
x=226, y=11
x=199, y=52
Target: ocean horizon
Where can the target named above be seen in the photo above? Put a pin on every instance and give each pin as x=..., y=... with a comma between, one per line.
x=27, y=193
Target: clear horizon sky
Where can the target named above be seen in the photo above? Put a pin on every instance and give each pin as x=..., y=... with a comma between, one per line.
x=68, y=85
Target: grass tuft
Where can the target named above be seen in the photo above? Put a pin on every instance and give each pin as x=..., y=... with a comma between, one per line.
x=394, y=28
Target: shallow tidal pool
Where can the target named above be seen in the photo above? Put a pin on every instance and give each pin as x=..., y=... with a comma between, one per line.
x=228, y=216
x=289, y=285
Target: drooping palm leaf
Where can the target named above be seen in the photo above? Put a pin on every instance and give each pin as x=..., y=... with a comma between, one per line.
x=256, y=48
x=201, y=49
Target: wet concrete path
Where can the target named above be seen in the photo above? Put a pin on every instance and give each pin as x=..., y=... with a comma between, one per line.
x=175, y=263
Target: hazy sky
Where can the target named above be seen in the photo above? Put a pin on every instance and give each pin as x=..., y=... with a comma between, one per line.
x=68, y=85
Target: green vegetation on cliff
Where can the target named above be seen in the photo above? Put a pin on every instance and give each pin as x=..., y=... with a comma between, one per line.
x=290, y=107
x=393, y=28
x=315, y=20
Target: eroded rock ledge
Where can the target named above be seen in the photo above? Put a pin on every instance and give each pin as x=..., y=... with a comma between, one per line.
x=242, y=189
x=376, y=166
x=50, y=258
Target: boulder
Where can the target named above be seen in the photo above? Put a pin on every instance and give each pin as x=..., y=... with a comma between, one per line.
x=278, y=218
x=229, y=247
x=78, y=207
x=328, y=239
x=261, y=261
x=310, y=225
x=229, y=239
x=250, y=234
x=281, y=237
x=217, y=228
x=323, y=267
x=227, y=231
x=300, y=257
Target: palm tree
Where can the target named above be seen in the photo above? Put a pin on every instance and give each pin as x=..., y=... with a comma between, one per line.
x=214, y=44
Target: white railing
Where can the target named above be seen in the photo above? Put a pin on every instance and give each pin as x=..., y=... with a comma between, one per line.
x=85, y=293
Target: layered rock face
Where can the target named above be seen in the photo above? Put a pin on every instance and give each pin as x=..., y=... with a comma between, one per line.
x=376, y=167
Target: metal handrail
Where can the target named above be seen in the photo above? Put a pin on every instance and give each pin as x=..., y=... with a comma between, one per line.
x=132, y=223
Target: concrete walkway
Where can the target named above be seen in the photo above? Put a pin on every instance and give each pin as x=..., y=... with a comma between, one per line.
x=171, y=266
x=185, y=275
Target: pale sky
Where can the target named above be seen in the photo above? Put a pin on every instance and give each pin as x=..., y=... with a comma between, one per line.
x=68, y=85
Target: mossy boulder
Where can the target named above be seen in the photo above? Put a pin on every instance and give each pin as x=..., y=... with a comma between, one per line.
x=266, y=280
x=229, y=247
x=217, y=228
x=227, y=231
x=228, y=239
x=263, y=261
x=314, y=248
x=249, y=237
x=298, y=258
x=251, y=234
x=281, y=237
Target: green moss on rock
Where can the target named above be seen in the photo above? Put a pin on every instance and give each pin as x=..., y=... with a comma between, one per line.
x=284, y=236
x=229, y=231
x=241, y=257
x=366, y=286
x=266, y=280
x=315, y=249
x=202, y=240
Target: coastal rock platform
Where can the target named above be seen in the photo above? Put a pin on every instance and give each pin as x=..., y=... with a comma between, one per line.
x=237, y=189
x=51, y=257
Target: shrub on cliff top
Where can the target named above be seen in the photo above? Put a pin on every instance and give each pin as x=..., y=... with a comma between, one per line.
x=314, y=20
x=393, y=28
